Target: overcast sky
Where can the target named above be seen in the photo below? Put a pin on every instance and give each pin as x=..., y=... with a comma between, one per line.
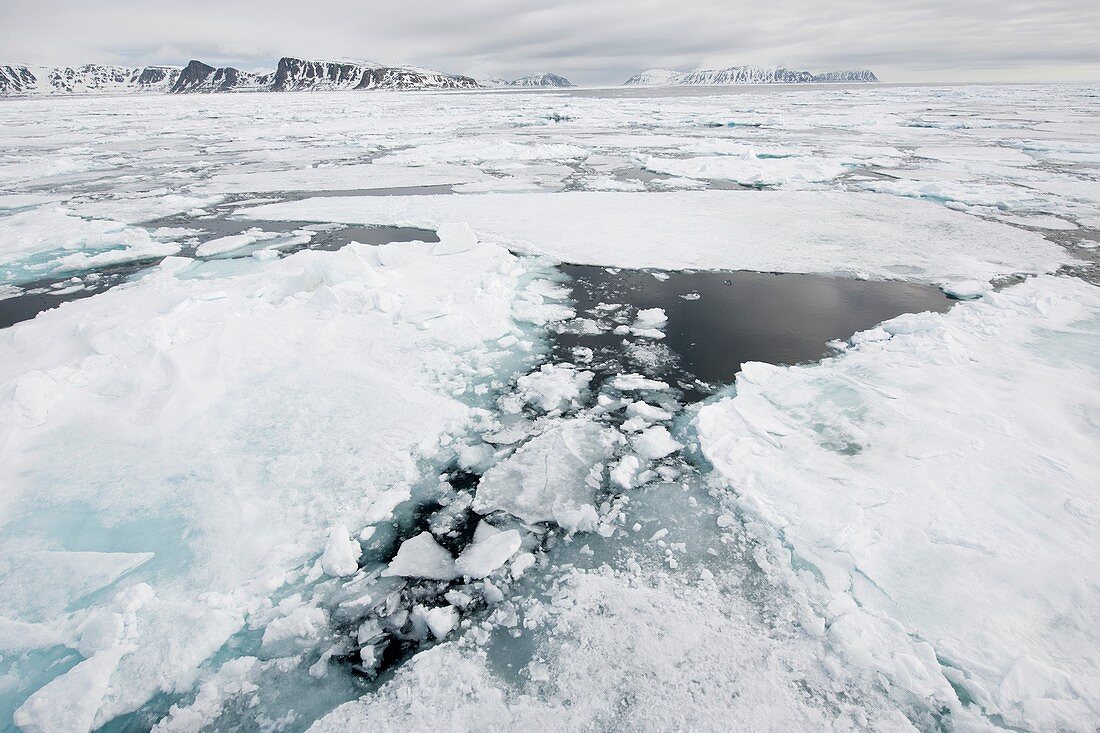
x=589, y=41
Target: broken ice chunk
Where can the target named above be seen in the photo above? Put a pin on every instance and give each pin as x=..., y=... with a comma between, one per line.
x=647, y=412
x=298, y=630
x=474, y=457
x=967, y=289
x=622, y=475
x=491, y=593
x=576, y=519
x=650, y=320
x=522, y=563
x=454, y=239
x=422, y=557
x=484, y=556
x=484, y=531
x=553, y=386
x=440, y=620
x=656, y=442
x=341, y=556
x=633, y=382
x=82, y=689
x=552, y=468
x=221, y=245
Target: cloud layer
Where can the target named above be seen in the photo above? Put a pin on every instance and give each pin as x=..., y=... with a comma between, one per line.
x=593, y=42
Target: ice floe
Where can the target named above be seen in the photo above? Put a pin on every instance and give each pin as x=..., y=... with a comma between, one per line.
x=552, y=470
x=774, y=231
x=943, y=481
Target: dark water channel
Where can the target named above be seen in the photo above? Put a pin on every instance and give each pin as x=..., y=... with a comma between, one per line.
x=719, y=320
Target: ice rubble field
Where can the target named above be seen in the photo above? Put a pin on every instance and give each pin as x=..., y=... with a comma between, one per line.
x=266, y=486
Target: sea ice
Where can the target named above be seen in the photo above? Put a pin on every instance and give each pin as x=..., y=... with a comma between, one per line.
x=341, y=555
x=221, y=245
x=210, y=391
x=553, y=386
x=751, y=170
x=655, y=442
x=50, y=240
x=488, y=553
x=341, y=178
x=551, y=470
x=943, y=480
x=441, y=620
x=637, y=383
x=904, y=536
x=422, y=557
x=771, y=231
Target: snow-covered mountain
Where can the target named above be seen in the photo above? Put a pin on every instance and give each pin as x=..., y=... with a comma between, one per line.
x=655, y=77
x=291, y=74
x=294, y=74
x=200, y=77
x=87, y=79
x=531, y=80
x=541, y=80
x=745, y=75
x=833, y=77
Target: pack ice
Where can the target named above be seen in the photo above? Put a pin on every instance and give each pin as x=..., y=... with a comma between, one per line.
x=177, y=373
x=941, y=478
x=363, y=487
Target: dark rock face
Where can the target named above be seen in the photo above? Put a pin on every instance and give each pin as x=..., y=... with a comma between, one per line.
x=154, y=76
x=386, y=77
x=200, y=77
x=16, y=79
x=192, y=77
x=293, y=74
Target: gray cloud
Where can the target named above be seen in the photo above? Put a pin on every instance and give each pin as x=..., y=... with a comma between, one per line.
x=587, y=40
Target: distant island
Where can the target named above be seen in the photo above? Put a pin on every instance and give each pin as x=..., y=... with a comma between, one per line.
x=746, y=75
x=531, y=80
x=294, y=74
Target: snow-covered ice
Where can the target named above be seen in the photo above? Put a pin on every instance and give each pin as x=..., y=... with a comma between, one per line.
x=773, y=231
x=489, y=553
x=655, y=442
x=943, y=481
x=240, y=485
x=175, y=371
x=553, y=470
x=422, y=557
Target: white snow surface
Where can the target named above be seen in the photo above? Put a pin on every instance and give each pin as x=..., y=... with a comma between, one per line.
x=340, y=177
x=771, y=231
x=751, y=170
x=899, y=537
x=945, y=480
x=206, y=391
